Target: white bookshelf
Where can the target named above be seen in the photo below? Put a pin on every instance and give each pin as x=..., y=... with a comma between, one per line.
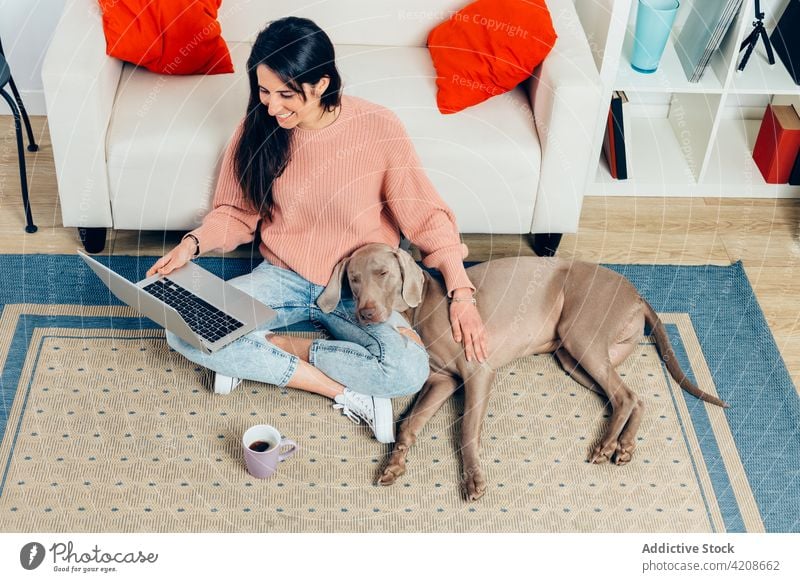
x=682, y=138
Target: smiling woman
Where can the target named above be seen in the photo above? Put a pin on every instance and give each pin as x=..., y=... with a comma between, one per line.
x=321, y=174
x=290, y=107
x=299, y=85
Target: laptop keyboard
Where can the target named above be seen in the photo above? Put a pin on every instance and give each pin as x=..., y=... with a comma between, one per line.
x=203, y=318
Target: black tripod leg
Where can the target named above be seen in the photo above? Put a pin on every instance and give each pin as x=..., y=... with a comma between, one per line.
x=749, y=40
x=32, y=147
x=746, y=56
x=768, y=46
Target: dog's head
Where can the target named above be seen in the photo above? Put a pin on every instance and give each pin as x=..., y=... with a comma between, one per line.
x=382, y=279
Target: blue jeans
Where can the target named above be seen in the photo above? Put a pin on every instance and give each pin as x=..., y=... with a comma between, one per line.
x=370, y=359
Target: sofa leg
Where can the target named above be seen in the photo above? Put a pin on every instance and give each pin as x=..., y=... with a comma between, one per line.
x=93, y=239
x=545, y=244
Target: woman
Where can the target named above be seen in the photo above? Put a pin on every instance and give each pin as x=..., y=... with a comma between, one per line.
x=323, y=174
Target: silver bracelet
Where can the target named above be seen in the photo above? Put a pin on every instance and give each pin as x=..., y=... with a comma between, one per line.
x=464, y=300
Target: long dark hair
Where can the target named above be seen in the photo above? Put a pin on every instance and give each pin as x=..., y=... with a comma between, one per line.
x=298, y=51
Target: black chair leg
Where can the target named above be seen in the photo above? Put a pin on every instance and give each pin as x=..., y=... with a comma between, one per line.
x=32, y=146
x=23, y=175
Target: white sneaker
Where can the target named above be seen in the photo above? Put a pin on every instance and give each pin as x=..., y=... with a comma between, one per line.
x=224, y=384
x=376, y=412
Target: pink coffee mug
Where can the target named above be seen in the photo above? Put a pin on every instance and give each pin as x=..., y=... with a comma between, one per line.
x=264, y=448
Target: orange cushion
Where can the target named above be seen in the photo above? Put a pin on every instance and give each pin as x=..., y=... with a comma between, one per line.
x=487, y=48
x=173, y=37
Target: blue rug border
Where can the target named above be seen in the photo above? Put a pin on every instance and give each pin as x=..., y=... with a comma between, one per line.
x=748, y=371
x=745, y=362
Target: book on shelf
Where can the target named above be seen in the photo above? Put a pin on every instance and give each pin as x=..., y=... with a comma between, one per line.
x=793, y=100
x=614, y=138
x=701, y=35
x=785, y=39
x=778, y=143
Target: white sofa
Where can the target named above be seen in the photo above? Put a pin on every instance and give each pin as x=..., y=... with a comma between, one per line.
x=138, y=150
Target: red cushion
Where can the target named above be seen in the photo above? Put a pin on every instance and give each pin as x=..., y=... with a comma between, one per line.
x=487, y=48
x=173, y=37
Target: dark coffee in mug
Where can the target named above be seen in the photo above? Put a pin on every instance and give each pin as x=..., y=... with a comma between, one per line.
x=264, y=448
x=260, y=446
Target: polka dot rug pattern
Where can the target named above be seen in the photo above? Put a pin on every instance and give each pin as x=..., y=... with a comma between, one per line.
x=112, y=431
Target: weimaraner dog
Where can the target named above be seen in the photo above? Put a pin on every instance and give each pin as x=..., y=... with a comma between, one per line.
x=590, y=316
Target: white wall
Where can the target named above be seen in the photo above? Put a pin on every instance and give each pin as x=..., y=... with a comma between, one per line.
x=26, y=27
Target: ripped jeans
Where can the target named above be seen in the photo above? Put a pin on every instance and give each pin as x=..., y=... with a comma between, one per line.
x=370, y=359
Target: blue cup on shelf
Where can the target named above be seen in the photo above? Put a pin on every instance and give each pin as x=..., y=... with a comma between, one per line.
x=654, y=19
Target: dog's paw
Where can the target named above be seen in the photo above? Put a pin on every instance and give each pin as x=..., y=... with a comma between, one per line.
x=391, y=474
x=397, y=464
x=598, y=458
x=624, y=454
x=602, y=453
x=474, y=484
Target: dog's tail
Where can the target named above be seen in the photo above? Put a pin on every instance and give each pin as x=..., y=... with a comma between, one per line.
x=671, y=361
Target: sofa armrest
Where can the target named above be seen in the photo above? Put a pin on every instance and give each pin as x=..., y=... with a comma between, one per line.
x=80, y=83
x=566, y=99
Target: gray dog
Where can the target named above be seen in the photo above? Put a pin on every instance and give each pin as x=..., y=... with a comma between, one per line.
x=591, y=317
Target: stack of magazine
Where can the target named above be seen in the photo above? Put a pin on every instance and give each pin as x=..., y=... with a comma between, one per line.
x=702, y=34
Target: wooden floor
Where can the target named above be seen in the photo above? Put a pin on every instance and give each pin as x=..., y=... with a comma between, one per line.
x=763, y=234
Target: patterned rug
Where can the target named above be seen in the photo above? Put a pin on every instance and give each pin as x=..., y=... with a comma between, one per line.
x=106, y=429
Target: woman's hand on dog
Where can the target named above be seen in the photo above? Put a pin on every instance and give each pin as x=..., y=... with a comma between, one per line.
x=467, y=325
x=174, y=259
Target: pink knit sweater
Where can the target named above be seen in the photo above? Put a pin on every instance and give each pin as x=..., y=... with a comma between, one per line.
x=354, y=182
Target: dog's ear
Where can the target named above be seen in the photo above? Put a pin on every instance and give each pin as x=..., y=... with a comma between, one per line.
x=413, y=279
x=330, y=296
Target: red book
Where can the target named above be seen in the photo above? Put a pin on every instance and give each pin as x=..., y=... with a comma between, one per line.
x=608, y=145
x=614, y=139
x=778, y=143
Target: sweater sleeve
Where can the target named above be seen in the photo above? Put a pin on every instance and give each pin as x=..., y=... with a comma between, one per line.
x=233, y=219
x=421, y=213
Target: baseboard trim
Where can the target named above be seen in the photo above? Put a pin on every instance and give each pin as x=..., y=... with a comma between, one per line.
x=684, y=191
x=34, y=103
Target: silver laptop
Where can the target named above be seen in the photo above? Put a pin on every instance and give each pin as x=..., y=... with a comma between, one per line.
x=191, y=302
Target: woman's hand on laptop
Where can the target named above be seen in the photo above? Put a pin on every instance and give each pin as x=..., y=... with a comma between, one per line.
x=174, y=259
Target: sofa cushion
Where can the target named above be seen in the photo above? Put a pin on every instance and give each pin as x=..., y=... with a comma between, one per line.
x=487, y=49
x=167, y=136
x=168, y=36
